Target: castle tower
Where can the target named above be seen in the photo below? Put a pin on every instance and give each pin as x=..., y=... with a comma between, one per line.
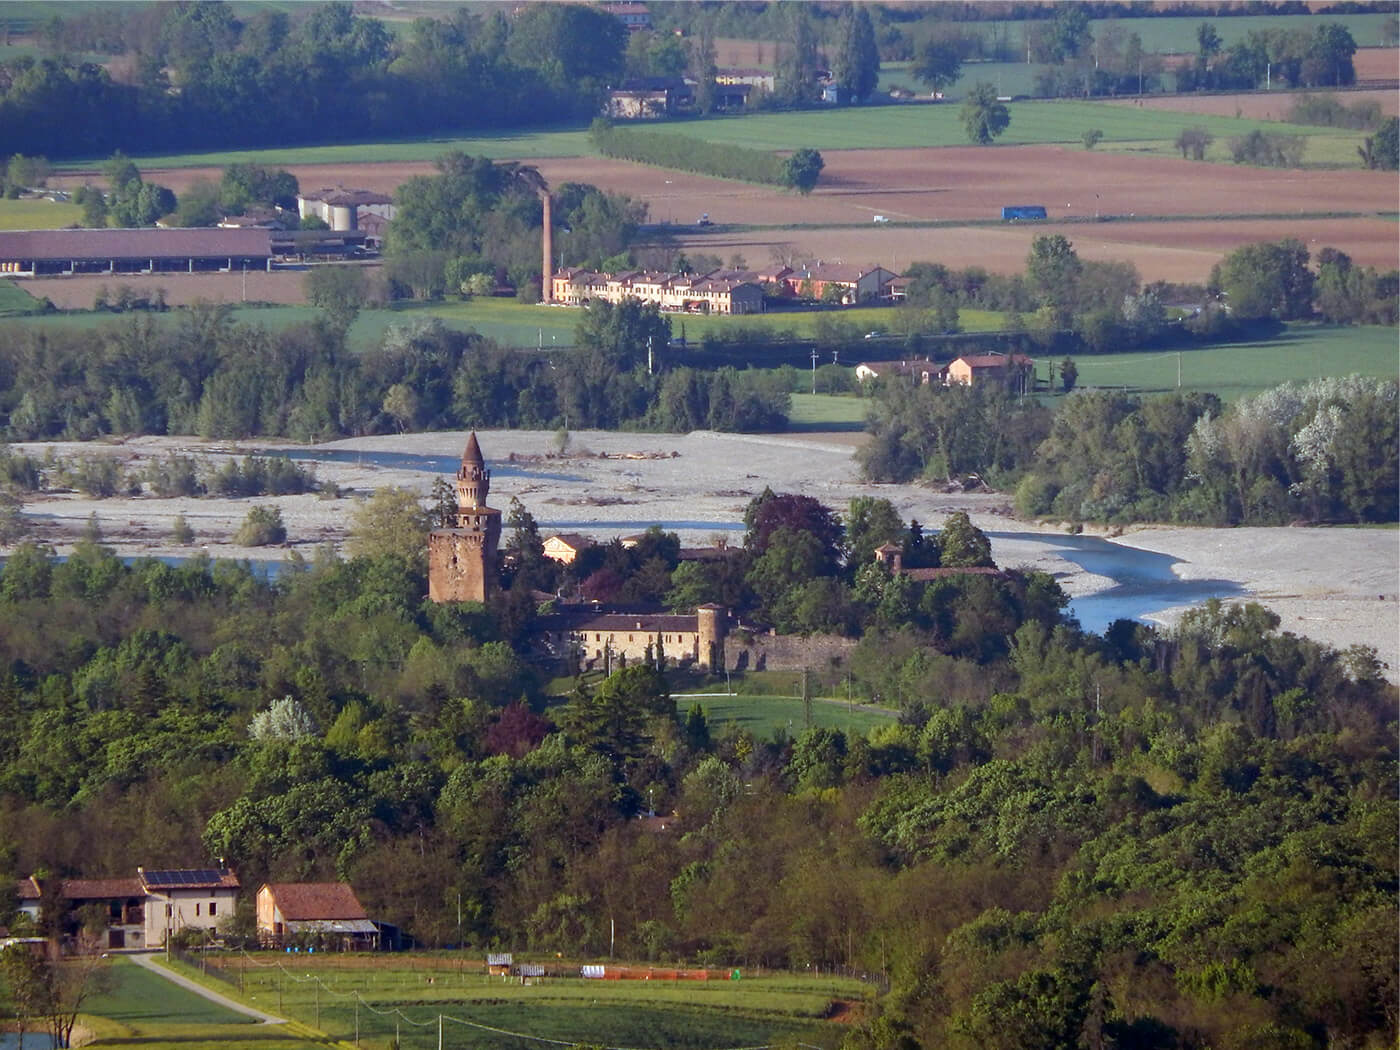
x=711, y=623
x=462, y=559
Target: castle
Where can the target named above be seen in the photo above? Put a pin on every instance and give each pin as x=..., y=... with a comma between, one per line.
x=462, y=559
x=463, y=567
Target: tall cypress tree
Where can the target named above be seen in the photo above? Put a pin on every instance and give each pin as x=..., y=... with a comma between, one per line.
x=857, y=62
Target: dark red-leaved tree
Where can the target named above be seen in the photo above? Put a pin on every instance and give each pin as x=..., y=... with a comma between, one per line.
x=517, y=731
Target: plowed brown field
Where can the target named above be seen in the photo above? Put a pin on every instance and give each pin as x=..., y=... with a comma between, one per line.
x=181, y=289
x=971, y=184
x=1270, y=106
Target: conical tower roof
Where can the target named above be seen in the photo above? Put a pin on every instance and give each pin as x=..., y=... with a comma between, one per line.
x=472, y=456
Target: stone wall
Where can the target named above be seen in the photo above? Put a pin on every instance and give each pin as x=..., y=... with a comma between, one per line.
x=819, y=653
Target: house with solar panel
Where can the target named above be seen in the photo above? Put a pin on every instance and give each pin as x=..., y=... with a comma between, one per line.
x=186, y=897
x=140, y=912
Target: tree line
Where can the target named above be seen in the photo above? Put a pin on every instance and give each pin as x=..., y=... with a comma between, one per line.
x=1324, y=450
x=799, y=171
x=1164, y=839
x=202, y=76
x=200, y=372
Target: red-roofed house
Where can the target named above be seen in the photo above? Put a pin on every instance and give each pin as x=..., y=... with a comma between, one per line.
x=991, y=367
x=856, y=284
x=328, y=912
x=140, y=912
x=176, y=898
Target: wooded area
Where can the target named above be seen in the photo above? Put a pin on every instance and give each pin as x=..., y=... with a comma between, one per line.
x=1145, y=839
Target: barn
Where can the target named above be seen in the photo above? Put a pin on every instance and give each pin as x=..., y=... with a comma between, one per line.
x=49, y=253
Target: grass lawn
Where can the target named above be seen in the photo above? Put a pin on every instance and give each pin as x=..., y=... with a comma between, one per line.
x=1302, y=352
x=765, y=715
x=142, y=1009
x=395, y=997
x=138, y=997
x=37, y=214
x=14, y=300
x=828, y=412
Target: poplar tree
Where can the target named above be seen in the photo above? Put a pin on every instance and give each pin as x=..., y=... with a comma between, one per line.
x=857, y=63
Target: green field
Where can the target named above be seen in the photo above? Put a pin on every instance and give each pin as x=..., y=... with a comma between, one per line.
x=1302, y=352
x=511, y=323
x=828, y=412
x=14, y=300
x=405, y=995
x=524, y=144
x=1032, y=122
x=37, y=214
x=1168, y=35
x=142, y=1009
x=137, y=996
x=878, y=127
x=1174, y=35
x=763, y=716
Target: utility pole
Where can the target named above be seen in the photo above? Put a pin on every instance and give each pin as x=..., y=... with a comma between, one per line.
x=1178, y=369
x=814, y=369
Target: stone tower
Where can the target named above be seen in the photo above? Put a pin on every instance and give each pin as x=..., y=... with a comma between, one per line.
x=462, y=559
x=710, y=629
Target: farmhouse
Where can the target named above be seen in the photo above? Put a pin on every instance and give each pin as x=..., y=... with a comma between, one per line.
x=48, y=253
x=328, y=912
x=141, y=912
x=761, y=79
x=631, y=13
x=564, y=547
x=648, y=98
x=851, y=284
x=992, y=367
x=920, y=371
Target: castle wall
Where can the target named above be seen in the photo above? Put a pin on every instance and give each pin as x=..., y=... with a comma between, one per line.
x=786, y=652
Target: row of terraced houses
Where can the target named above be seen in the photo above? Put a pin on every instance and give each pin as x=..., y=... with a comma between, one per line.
x=723, y=291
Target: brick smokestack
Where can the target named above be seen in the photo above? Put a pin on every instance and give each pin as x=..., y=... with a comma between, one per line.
x=547, y=270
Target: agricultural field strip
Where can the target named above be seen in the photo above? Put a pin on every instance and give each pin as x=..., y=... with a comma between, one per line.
x=1068, y=220
x=756, y=1001
x=883, y=127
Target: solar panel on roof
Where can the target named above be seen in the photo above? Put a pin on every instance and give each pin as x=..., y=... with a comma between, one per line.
x=183, y=877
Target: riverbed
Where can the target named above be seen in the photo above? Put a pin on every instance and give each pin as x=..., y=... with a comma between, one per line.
x=1337, y=585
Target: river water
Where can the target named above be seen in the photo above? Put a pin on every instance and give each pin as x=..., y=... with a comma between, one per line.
x=1143, y=580
x=32, y=1041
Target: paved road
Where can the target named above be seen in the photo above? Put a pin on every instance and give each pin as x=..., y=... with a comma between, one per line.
x=147, y=959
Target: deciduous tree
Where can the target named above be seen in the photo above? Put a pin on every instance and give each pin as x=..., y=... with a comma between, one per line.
x=983, y=116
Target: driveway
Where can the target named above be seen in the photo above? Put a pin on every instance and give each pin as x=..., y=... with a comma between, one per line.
x=148, y=960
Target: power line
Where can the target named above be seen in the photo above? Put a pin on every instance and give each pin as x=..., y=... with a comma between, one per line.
x=466, y=1022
